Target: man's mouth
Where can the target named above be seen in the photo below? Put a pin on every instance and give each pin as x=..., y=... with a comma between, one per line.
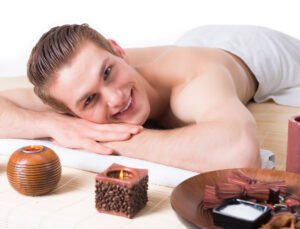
x=129, y=106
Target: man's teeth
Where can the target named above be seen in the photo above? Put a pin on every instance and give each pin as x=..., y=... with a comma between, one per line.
x=127, y=106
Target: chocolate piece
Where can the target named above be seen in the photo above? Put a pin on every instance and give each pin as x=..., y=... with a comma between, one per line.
x=291, y=202
x=123, y=196
x=296, y=209
x=280, y=208
x=274, y=195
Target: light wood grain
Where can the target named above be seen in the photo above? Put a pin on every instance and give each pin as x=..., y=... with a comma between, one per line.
x=272, y=126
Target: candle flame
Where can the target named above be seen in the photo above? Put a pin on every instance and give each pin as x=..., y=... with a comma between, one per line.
x=33, y=148
x=121, y=176
x=36, y=147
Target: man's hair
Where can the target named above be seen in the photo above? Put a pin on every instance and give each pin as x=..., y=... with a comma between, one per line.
x=54, y=49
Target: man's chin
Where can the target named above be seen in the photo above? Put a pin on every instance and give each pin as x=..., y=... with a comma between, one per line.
x=139, y=120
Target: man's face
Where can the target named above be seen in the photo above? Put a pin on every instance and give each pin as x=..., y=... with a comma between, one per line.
x=101, y=87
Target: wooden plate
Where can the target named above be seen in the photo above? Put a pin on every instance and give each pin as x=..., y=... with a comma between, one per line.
x=186, y=198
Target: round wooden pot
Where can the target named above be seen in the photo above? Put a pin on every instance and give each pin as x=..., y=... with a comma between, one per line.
x=34, y=170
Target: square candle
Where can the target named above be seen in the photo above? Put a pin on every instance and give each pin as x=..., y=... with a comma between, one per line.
x=121, y=190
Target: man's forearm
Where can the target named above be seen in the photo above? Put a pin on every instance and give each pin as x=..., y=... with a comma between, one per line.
x=16, y=122
x=209, y=146
x=64, y=130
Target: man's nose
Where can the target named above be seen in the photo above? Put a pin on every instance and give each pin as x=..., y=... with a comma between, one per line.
x=114, y=97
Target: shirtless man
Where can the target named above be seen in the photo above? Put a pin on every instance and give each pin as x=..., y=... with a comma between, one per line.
x=97, y=95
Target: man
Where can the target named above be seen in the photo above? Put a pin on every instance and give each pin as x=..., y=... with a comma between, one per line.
x=102, y=94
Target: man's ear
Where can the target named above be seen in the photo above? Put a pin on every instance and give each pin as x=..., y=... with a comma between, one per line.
x=117, y=48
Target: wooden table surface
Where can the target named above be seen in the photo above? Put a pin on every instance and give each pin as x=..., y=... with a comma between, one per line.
x=272, y=127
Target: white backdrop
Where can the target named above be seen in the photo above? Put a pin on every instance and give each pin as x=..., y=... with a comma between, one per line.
x=130, y=22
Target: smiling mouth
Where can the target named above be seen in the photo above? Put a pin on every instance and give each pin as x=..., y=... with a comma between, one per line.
x=128, y=107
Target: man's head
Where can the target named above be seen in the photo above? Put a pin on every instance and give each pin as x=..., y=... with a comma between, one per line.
x=76, y=70
x=54, y=49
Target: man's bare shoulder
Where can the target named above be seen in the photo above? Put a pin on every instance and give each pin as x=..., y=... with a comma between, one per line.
x=202, y=95
x=156, y=54
x=170, y=65
x=182, y=65
x=139, y=57
x=202, y=81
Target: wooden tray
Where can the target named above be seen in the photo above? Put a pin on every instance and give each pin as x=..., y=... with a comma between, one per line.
x=186, y=198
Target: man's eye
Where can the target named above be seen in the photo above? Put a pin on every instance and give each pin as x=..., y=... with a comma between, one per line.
x=107, y=73
x=89, y=100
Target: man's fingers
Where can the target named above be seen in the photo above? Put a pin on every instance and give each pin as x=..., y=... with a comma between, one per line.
x=110, y=136
x=133, y=129
x=88, y=145
x=106, y=136
x=96, y=147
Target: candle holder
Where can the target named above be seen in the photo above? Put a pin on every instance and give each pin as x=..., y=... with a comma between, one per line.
x=34, y=170
x=121, y=190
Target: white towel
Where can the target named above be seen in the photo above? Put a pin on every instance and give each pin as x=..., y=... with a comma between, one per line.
x=272, y=56
x=79, y=159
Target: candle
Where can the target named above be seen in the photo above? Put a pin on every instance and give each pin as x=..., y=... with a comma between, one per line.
x=120, y=174
x=293, y=146
x=34, y=170
x=121, y=190
x=33, y=149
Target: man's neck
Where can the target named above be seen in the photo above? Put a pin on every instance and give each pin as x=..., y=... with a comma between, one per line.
x=146, y=61
x=158, y=97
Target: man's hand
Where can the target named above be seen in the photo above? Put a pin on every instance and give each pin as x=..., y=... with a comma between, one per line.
x=23, y=115
x=78, y=133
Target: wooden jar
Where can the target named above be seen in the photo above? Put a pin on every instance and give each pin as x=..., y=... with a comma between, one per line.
x=34, y=170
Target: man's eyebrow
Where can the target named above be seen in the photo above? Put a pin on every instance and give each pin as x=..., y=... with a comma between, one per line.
x=87, y=94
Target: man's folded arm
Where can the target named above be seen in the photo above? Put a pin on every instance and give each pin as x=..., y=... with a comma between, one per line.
x=205, y=146
x=23, y=116
x=24, y=98
x=223, y=133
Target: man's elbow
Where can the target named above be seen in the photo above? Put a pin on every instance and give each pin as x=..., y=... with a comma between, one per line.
x=241, y=154
x=247, y=153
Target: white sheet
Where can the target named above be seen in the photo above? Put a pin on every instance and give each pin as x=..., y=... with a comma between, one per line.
x=272, y=56
x=158, y=174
